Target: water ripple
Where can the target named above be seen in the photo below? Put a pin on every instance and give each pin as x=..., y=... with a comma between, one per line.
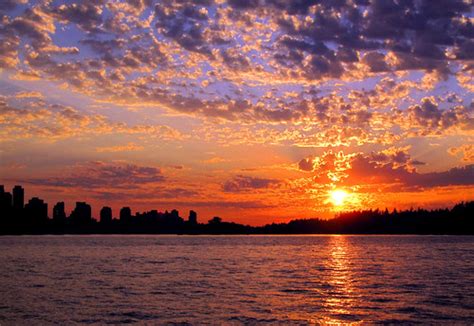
x=187, y=280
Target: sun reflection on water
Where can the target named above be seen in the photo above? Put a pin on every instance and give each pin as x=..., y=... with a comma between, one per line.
x=341, y=297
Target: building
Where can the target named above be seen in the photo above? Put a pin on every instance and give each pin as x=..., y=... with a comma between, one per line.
x=59, y=213
x=82, y=213
x=125, y=214
x=18, y=197
x=174, y=215
x=36, y=210
x=106, y=215
x=5, y=203
x=192, y=219
x=5, y=199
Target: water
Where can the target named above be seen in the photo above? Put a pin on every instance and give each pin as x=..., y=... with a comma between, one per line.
x=236, y=279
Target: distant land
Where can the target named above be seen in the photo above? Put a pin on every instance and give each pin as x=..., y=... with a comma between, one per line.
x=32, y=218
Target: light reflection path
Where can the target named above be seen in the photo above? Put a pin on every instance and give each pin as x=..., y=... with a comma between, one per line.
x=342, y=297
x=237, y=280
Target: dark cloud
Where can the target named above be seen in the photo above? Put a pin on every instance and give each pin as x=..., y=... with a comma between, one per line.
x=33, y=25
x=418, y=32
x=306, y=164
x=7, y=5
x=239, y=204
x=242, y=183
x=455, y=176
x=235, y=60
x=100, y=174
x=86, y=14
x=392, y=169
x=429, y=115
x=366, y=171
x=205, y=58
x=243, y=204
x=185, y=23
x=376, y=62
x=167, y=199
x=151, y=195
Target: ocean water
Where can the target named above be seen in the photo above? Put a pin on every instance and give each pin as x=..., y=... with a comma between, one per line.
x=236, y=279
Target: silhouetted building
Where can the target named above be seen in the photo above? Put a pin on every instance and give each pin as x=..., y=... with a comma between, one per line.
x=125, y=214
x=172, y=219
x=18, y=198
x=174, y=214
x=82, y=213
x=59, y=213
x=106, y=215
x=33, y=218
x=5, y=202
x=192, y=219
x=36, y=210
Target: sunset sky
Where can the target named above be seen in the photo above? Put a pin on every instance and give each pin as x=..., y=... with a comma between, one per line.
x=252, y=110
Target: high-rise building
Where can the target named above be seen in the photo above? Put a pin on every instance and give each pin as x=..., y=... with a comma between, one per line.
x=5, y=203
x=125, y=214
x=106, y=215
x=8, y=200
x=36, y=210
x=18, y=197
x=174, y=214
x=59, y=213
x=192, y=219
x=82, y=213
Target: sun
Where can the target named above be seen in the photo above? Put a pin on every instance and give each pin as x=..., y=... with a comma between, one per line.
x=338, y=197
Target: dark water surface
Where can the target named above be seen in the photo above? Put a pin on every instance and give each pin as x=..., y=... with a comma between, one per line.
x=236, y=279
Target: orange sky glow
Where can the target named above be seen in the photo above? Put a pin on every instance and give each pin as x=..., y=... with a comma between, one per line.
x=254, y=111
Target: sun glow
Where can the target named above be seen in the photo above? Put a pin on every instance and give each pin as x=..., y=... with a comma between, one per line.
x=338, y=197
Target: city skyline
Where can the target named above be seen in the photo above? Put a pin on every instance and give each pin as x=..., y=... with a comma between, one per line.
x=12, y=203
x=255, y=111
x=18, y=217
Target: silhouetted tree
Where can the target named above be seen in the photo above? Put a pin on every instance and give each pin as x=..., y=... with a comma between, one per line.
x=215, y=220
x=33, y=218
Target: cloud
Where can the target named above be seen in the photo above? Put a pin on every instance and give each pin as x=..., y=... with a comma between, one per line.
x=329, y=167
x=352, y=75
x=365, y=170
x=306, y=164
x=50, y=122
x=130, y=147
x=149, y=195
x=7, y=5
x=455, y=176
x=430, y=119
x=215, y=160
x=392, y=169
x=241, y=183
x=97, y=174
x=310, y=74
x=87, y=15
x=29, y=94
x=162, y=53
x=239, y=204
x=466, y=151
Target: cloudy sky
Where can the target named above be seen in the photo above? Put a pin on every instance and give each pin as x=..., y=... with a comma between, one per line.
x=253, y=110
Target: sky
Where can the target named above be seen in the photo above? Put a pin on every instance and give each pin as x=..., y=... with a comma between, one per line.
x=256, y=111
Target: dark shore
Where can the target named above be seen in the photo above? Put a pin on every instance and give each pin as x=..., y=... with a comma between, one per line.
x=457, y=220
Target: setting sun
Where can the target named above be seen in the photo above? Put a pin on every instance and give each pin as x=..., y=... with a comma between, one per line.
x=338, y=197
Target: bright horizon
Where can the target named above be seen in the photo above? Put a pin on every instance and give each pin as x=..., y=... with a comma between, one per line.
x=256, y=112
